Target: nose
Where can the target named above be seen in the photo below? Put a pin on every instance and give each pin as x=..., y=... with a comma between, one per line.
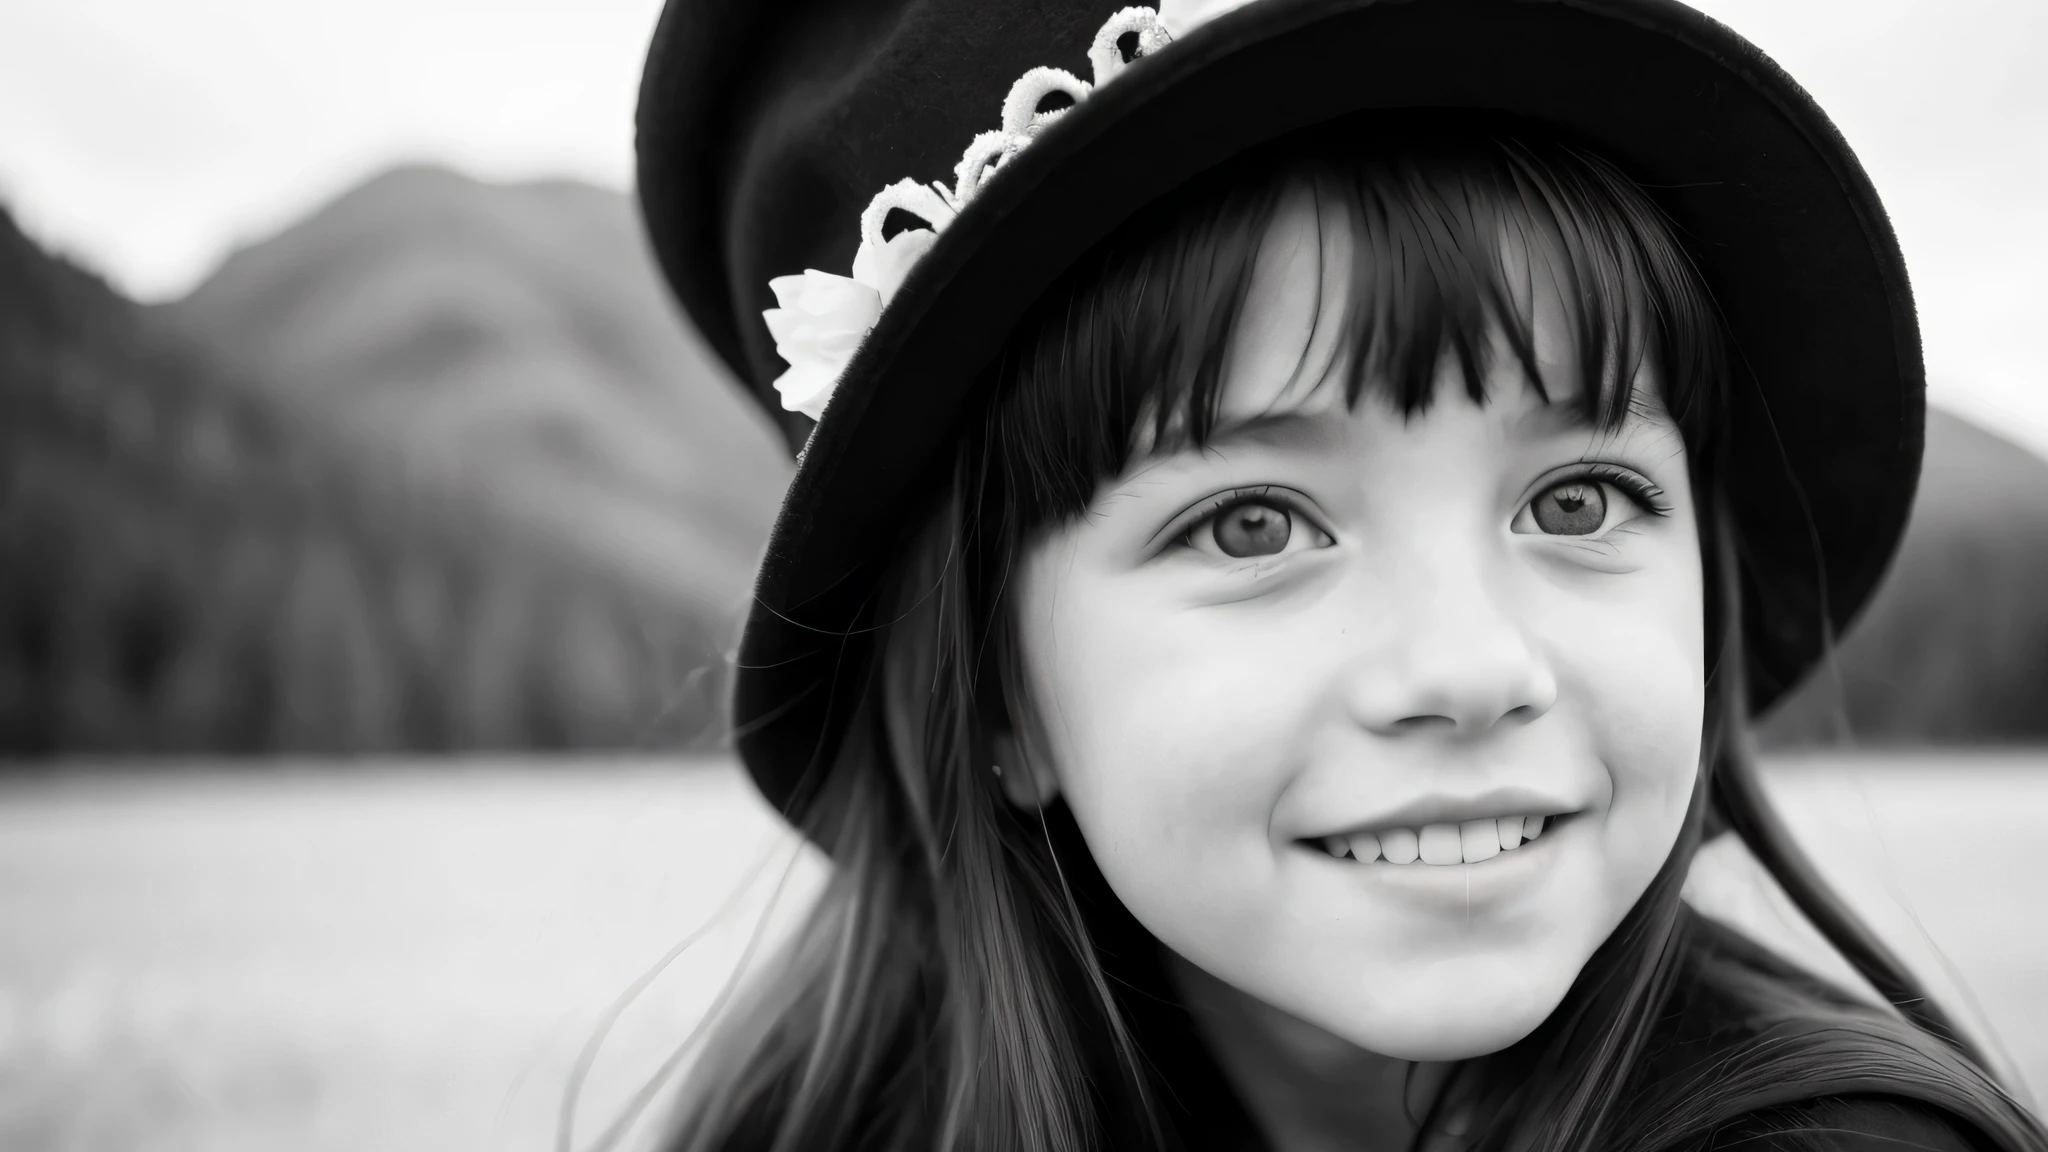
x=1456, y=661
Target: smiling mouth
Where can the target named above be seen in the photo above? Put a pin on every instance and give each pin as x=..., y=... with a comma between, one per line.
x=1438, y=845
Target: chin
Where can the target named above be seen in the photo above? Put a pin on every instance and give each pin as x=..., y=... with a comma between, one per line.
x=1435, y=1029
x=1450, y=1041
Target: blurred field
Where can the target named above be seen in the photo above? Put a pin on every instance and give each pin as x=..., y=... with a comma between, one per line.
x=411, y=956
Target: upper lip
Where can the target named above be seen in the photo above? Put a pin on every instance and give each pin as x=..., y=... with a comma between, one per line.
x=1445, y=809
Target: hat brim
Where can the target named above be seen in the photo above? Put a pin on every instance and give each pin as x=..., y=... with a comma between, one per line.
x=1827, y=404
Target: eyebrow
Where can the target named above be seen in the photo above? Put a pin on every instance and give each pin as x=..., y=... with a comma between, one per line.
x=1294, y=427
x=1563, y=414
x=1277, y=429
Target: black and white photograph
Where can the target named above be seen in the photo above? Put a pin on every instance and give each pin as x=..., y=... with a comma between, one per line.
x=1023, y=576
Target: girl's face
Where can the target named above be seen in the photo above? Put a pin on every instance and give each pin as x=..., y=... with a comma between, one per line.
x=1420, y=634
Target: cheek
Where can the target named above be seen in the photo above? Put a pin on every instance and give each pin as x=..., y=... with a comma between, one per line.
x=1639, y=663
x=1170, y=733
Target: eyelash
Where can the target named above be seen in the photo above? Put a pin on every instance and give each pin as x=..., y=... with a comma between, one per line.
x=1646, y=495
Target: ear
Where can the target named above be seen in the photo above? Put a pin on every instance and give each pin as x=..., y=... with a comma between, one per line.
x=1027, y=781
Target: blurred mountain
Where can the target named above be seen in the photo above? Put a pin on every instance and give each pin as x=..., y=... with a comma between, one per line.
x=512, y=342
x=192, y=562
x=1954, y=647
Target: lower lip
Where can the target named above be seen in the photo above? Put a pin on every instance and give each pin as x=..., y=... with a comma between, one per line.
x=1463, y=887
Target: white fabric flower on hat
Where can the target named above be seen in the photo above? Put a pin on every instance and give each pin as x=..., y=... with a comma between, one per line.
x=822, y=319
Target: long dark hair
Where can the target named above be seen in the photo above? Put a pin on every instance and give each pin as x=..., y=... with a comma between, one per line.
x=966, y=980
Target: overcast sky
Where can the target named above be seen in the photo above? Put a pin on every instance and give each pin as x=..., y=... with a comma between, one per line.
x=147, y=138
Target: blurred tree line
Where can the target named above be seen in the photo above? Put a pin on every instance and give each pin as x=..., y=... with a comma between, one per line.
x=1953, y=649
x=187, y=565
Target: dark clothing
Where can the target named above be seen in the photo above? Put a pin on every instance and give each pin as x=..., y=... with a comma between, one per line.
x=1708, y=1018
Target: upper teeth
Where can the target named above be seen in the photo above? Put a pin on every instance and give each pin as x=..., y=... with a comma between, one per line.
x=1441, y=844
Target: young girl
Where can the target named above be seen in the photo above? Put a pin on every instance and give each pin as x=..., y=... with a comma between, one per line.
x=1297, y=521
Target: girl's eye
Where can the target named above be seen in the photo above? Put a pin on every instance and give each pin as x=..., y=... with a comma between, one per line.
x=1588, y=505
x=1254, y=526
x=1574, y=508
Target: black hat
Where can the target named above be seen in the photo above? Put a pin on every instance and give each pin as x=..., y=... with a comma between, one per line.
x=767, y=130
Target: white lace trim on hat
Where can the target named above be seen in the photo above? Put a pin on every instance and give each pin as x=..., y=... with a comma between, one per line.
x=821, y=318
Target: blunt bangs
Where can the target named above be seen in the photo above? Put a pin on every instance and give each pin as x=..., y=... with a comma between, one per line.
x=1129, y=349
